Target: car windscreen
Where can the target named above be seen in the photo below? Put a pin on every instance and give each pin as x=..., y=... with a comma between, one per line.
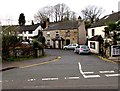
x=84, y=47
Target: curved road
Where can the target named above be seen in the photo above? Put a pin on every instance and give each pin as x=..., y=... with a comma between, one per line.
x=71, y=71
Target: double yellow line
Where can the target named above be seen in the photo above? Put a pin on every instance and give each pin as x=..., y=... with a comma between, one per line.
x=56, y=59
x=107, y=60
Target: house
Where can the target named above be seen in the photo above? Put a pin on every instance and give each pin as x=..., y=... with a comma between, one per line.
x=29, y=31
x=98, y=28
x=63, y=33
x=25, y=32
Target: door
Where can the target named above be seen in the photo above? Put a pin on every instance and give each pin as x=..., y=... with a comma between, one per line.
x=67, y=41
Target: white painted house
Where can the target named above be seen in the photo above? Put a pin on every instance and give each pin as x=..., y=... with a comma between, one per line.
x=29, y=31
x=98, y=28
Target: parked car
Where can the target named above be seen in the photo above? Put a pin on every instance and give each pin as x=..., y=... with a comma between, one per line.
x=25, y=42
x=70, y=46
x=82, y=49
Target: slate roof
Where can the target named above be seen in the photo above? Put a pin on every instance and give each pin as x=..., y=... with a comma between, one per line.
x=29, y=27
x=21, y=28
x=62, y=25
x=108, y=18
x=96, y=38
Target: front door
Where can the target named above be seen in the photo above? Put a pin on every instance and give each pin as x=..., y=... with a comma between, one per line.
x=67, y=41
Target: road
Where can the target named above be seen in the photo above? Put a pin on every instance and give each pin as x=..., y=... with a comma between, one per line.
x=70, y=71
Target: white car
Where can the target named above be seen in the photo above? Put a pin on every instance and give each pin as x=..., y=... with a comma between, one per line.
x=82, y=49
x=70, y=46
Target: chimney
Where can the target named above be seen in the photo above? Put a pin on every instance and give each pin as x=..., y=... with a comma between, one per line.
x=112, y=11
x=79, y=20
x=47, y=23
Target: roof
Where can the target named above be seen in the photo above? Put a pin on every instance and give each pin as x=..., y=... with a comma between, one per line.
x=108, y=18
x=29, y=27
x=21, y=28
x=63, y=25
x=96, y=38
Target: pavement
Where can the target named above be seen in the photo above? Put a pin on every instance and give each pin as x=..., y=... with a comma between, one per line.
x=27, y=63
x=115, y=60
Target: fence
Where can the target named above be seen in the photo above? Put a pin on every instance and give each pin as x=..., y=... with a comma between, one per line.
x=115, y=50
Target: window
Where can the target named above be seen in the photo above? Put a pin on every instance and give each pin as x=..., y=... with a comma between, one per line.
x=24, y=32
x=30, y=32
x=48, y=34
x=57, y=34
x=48, y=42
x=67, y=33
x=93, y=32
x=92, y=45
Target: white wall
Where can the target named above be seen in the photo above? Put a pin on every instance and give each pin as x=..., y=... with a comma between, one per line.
x=98, y=31
x=96, y=50
x=34, y=33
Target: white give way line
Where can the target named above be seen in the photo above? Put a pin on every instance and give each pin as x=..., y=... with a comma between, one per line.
x=93, y=76
x=83, y=73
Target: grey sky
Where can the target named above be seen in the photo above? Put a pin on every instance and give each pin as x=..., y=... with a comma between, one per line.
x=12, y=8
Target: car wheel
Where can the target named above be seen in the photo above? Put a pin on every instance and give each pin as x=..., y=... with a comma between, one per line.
x=74, y=51
x=79, y=52
x=65, y=49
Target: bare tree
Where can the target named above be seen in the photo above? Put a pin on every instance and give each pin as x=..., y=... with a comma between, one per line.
x=92, y=13
x=60, y=11
x=57, y=12
x=44, y=13
x=64, y=11
x=72, y=15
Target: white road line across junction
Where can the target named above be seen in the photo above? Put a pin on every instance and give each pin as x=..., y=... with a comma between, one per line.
x=45, y=79
x=112, y=75
x=107, y=71
x=83, y=73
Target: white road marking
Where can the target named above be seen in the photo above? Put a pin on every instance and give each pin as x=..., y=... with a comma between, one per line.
x=110, y=75
x=72, y=77
x=46, y=79
x=91, y=76
x=86, y=76
x=80, y=68
x=88, y=72
x=107, y=71
x=31, y=79
x=0, y=81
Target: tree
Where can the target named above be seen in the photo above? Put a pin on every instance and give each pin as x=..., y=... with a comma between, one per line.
x=44, y=13
x=72, y=15
x=110, y=31
x=42, y=40
x=92, y=13
x=61, y=11
x=21, y=19
x=57, y=12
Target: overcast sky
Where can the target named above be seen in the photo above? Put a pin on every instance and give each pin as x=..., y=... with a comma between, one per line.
x=12, y=8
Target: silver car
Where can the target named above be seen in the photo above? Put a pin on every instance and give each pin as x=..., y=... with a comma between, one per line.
x=70, y=46
x=82, y=49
